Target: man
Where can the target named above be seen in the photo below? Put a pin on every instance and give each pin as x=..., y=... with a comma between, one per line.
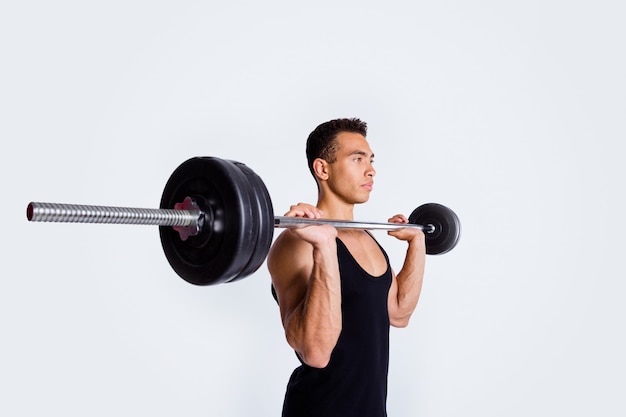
x=335, y=288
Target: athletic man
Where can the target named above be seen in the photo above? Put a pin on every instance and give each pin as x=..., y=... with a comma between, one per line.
x=335, y=288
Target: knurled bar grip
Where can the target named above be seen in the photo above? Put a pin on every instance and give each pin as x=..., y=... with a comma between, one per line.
x=76, y=213
x=285, y=221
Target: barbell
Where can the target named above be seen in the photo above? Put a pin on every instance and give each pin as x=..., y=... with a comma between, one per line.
x=216, y=220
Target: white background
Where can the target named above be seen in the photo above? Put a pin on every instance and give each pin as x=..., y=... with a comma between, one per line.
x=511, y=113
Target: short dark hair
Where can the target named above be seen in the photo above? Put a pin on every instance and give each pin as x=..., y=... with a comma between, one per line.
x=322, y=144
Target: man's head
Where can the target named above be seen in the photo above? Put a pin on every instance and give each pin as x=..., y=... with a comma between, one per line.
x=322, y=141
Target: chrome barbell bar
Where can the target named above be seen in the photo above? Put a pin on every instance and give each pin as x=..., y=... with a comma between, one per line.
x=188, y=217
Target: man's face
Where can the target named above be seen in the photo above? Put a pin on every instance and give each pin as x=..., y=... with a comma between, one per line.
x=351, y=176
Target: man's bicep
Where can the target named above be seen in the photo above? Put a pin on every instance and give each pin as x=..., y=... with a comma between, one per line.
x=392, y=300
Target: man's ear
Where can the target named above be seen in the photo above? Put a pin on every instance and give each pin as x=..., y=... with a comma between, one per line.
x=320, y=167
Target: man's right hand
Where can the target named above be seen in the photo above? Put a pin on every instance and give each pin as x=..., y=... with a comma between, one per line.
x=316, y=235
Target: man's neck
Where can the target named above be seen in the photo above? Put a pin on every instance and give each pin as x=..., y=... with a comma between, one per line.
x=334, y=208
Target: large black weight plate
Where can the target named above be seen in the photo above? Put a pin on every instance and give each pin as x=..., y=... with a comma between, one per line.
x=447, y=227
x=225, y=244
x=263, y=217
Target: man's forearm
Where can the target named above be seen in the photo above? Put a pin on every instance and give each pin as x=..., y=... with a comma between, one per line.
x=314, y=327
x=410, y=279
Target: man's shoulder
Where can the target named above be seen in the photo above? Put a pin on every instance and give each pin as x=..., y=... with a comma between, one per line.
x=288, y=248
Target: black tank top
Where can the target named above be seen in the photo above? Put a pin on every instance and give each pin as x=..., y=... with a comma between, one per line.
x=355, y=381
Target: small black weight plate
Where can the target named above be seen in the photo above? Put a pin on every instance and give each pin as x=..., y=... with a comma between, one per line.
x=264, y=217
x=224, y=245
x=447, y=227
